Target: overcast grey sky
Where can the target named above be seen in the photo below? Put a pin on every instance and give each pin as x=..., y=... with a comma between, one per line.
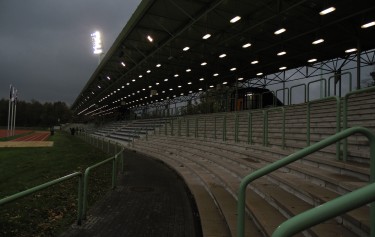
x=45, y=45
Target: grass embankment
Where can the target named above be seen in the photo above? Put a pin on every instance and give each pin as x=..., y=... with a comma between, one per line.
x=49, y=212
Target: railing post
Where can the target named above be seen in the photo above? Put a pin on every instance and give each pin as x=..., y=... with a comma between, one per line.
x=114, y=173
x=108, y=142
x=122, y=162
x=179, y=127
x=265, y=127
x=187, y=128
x=165, y=128
x=196, y=127
x=205, y=127
x=345, y=116
x=338, y=122
x=225, y=128
x=80, y=199
x=172, y=130
x=249, y=129
x=215, y=128
x=236, y=128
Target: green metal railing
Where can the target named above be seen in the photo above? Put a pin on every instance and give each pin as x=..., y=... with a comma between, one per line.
x=291, y=93
x=114, y=160
x=48, y=184
x=265, y=126
x=236, y=127
x=338, y=113
x=319, y=80
x=345, y=115
x=332, y=77
x=327, y=211
x=224, y=128
x=299, y=155
x=287, y=96
x=250, y=128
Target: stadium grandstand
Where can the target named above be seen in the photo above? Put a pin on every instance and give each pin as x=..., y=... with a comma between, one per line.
x=265, y=109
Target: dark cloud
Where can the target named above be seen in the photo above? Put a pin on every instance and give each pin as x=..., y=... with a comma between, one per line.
x=45, y=44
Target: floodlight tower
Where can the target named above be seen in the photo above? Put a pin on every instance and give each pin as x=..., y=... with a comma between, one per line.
x=97, y=44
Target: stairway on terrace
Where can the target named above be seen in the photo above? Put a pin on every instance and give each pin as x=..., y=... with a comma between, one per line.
x=213, y=159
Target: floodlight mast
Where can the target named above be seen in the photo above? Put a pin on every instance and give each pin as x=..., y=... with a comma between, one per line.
x=97, y=44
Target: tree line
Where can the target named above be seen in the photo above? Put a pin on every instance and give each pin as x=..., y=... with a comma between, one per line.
x=36, y=114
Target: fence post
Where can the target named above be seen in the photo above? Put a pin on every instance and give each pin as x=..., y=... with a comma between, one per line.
x=114, y=173
x=187, y=128
x=196, y=127
x=225, y=128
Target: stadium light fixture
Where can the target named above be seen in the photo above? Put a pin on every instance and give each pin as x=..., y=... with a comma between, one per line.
x=327, y=10
x=367, y=25
x=318, y=41
x=235, y=19
x=186, y=48
x=350, y=50
x=259, y=73
x=123, y=64
x=246, y=45
x=279, y=31
x=312, y=60
x=206, y=36
x=150, y=38
x=254, y=62
x=281, y=53
x=96, y=42
x=222, y=55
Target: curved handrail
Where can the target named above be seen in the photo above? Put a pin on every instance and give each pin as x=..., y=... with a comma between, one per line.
x=299, y=155
x=48, y=184
x=87, y=172
x=327, y=211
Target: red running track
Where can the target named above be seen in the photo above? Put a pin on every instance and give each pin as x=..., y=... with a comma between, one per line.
x=38, y=136
x=3, y=132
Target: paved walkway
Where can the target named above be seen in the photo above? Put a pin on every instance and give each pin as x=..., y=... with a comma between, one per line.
x=150, y=200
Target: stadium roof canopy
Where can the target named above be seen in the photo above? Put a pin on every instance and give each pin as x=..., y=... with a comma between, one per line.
x=165, y=46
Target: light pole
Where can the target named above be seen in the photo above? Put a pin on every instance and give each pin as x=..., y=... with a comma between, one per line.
x=97, y=44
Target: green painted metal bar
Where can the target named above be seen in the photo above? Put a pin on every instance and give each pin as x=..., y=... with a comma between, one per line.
x=48, y=184
x=340, y=74
x=299, y=155
x=283, y=90
x=345, y=115
x=165, y=128
x=179, y=127
x=265, y=126
x=326, y=211
x=250, y=129
x=291, y=92
x=215, y=128
x=196, y=127
x=338, y=114
x=205, y=128
x=172, y=129
x=236, y=128
x=225, y=128
x=86, y=178
x=319, y=80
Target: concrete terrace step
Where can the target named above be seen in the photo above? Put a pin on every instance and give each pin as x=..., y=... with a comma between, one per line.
x=226, y=205
x=235, y=167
